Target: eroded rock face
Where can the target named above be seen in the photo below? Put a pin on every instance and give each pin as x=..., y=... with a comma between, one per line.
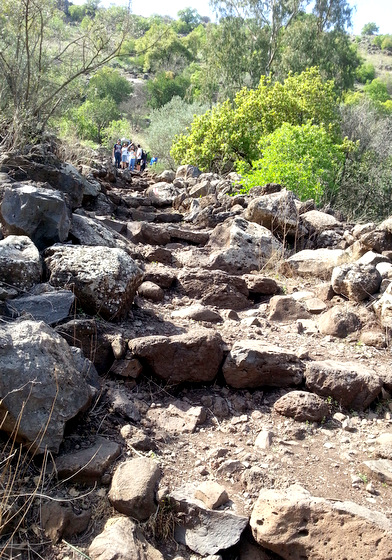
x=191, y=357
x=39, y=369
x=353, y=385
x=104, y=280
x=122, y=539
x=296, y=525
x=20, y=262
x=339, y=321
x=251, y=364
x=36, y=212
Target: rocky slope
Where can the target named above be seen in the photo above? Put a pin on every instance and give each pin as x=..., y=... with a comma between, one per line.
x=196, y=373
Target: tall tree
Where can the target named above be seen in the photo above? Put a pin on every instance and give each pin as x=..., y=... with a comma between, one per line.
x=37, y=71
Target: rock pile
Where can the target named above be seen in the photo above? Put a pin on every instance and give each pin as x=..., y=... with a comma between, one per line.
x=210, y=330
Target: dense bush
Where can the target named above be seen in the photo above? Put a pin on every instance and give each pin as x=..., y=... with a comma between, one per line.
x=303, y=158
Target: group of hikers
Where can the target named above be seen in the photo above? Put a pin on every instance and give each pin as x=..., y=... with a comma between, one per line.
x=127, y=155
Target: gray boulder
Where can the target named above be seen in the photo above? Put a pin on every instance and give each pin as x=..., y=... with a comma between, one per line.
x=339, y=321
x=353, y=385
x=49, y=306
x=239, y=246
x=191, y=357
x=252, y=363
x=92, y=232
x=20, y=262
x=317, y=263
x=36, y=212
x=162, y=194
x=296, y=525
x=277, y=212
x=41, y=387
x=356, y=281
x=104, y=280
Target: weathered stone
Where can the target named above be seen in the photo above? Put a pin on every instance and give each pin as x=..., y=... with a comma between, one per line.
x=191, y=357
x=122, y=539
x=59, y=520
x=276, y=212
x=162, y=194
x=239, y=246
x=197, y=313
x=168, y=176
x=316, y=222
x=50, y=307
x=150, y=291
x=383, y=308
x=302, y=406
x=339, y=322
x=88, y=465
x=36, y=212
x=261, y=285
x=251, y=364
x=202, y=188
x=212, y=494
x=318, y=263
x=380, y=469
x=352, y=385
x=355, y=281
x=103, y=279
x=296, y=525
x=144, y=232
x=215, y=287
x=188, y=235
x=286, y=308
x=20, y=262
x=133, y=488
x=264, y=439
x=187, y=171
x=205, y=531
x=92, y=232
x=128, y=367
x=40, y=381
x=122, y=404
x=177, y=418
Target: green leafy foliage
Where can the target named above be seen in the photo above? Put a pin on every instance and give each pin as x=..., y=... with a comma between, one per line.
x=164, y=87
x=166, y=122
x=365, y=73
x=230, y=132
x=370, y=28
x=93, y=116
x=377, y=91
x=108, y=82
x=303, y=158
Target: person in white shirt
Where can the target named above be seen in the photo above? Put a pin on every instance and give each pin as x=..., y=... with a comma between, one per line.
x=139, y=155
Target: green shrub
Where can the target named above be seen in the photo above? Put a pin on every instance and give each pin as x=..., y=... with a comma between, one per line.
x=303, y=158
x=365, y=73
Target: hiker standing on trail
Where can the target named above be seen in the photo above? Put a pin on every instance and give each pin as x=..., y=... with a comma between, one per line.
x=124, y=156
x=117, y=154
x=144, y=161
x=139, y=156
x=132, y=157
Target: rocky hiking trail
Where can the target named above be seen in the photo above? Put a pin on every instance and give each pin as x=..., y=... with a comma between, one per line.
x=204, y=374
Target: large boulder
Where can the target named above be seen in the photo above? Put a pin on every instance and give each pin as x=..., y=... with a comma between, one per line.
x=314, y=263
x=162, y=194
x=41, y=386
x=91, y=232
x=20, y=262
x=356, y=281
x=49, y=306
x=352, y=385
x=339, y=321
x=252, y=363
x=316, y=222
x=277, y=212
x=296, y=525
x=191, y=357
x=239, y=246
x=104, y=280
x=214, y=287
x=36, y=212
x=383, y=308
